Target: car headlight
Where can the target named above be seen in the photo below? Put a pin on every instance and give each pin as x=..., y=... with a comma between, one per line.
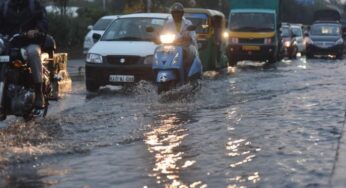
x=175, y=59
x=287, y=44
x=167, y=38
x=2, y=46
x=340, y=41
x=149, y=60
x=94, y=58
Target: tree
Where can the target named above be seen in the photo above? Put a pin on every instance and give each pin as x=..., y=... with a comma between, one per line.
x=62, y=4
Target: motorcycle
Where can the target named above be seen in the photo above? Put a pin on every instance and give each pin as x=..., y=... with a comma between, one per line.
x=17, y=94
x=169, y=66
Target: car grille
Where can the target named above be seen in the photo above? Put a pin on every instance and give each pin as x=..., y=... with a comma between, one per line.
x=124, y=60
x=251, y=41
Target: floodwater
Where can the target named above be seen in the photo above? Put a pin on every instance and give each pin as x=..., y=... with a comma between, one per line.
x=255, y=126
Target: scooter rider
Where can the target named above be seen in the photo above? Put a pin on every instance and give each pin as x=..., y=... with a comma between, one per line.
x=30, y=17
x=178, y=24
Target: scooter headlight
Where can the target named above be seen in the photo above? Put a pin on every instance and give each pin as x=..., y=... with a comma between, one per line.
x=167, y=38
x=287, y=44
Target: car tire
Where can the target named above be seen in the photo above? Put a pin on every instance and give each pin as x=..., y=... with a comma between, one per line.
x=91, y=87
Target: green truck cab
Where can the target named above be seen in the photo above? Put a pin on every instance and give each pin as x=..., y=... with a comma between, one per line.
x=254, y=30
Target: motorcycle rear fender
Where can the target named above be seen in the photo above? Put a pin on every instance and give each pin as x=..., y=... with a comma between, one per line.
x=165, y=76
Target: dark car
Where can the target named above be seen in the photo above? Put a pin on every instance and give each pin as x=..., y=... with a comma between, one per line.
x=289, y=47
x=325, y=39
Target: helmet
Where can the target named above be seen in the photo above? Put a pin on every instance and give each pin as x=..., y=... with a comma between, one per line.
x=177, y=7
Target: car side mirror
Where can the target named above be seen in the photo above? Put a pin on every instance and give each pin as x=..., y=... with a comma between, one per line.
x=90, y=27
x=191, y=28
x=96, y=37
x=150, y=29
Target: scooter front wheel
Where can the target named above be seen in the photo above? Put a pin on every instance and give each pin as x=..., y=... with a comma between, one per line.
x=165, y=86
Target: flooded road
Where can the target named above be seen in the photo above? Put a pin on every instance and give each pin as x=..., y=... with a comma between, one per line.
x=254, y=127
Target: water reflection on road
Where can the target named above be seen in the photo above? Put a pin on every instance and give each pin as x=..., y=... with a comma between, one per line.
x=255, y=126
x=165, y=143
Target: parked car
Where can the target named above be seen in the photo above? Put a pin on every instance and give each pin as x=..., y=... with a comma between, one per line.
x=289, y=47
x=124, y=54
x=297, y=31
x=325, y=38
x=99, y=27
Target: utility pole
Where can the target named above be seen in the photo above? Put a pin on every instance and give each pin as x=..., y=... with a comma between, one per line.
x=220, y=5
x=104, y=5
x=149, y=5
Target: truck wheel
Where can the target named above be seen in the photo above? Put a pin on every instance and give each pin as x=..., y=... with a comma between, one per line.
x=91, y=87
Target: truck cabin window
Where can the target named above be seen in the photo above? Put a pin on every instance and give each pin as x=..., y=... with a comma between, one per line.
x=252, y=22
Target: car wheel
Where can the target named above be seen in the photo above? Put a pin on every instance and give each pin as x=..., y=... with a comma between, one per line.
x=91, y=87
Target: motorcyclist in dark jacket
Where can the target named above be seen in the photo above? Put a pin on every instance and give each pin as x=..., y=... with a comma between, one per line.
x=29, y=17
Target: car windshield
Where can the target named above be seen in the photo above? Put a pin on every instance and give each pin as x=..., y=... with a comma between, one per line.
x=252, y=22
x=133, y=29
x=199, y=20
x=297, y=31
x=285, y=32
x=102, y=24
x=329, y=30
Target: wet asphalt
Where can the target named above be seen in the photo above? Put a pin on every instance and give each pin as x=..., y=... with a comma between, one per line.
x=249, y=126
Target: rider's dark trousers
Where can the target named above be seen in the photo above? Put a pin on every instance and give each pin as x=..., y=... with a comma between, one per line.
x=34, y=60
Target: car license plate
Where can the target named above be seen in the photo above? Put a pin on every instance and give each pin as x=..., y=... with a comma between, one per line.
x=251, y=48
x=4, y=59
x=121, y=78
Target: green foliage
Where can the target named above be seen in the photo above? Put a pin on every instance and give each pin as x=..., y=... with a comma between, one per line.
x=69, y=32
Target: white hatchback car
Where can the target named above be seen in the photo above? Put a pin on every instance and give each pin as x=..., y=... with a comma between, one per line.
x=124, y=54
x=99, y=27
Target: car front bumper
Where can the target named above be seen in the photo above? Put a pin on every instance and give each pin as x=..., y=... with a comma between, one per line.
x=317, y=50
x=100, y=73
x=262, y=53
